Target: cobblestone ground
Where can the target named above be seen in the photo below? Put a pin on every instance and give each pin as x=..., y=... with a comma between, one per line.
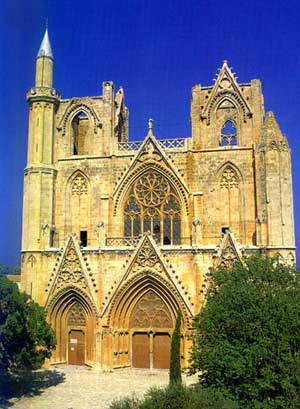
x=72, y=387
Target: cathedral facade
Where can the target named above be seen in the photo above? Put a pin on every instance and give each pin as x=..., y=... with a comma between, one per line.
x=119, y=235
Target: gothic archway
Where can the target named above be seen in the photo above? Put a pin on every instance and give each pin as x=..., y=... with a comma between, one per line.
x=73, y=318
x=142, y=317
x=78, y=207
x=229, y=192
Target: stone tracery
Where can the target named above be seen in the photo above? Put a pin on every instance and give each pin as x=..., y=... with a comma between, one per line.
x=229, y=179
x=79, y=186
x=152, y=206
x=71, y=272
x=76, y=315
x=150, y=312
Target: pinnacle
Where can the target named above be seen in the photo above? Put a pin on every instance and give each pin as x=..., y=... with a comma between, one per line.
x=150, y=127
x=45, y=47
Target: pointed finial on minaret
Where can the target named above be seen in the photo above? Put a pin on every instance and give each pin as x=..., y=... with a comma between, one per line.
x=45, y=48
x=150, y=127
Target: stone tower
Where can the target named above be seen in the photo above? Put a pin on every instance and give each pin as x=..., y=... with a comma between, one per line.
x=40, y=172
x=119, y=235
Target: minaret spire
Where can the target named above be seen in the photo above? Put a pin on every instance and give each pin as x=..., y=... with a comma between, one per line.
x=44, y=62
x=45, y=49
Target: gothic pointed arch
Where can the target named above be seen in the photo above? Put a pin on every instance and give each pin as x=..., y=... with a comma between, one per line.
x=228, y=134
x=78, y=205
x=151, y=157
x=230, y=104
x=74, y=108
x=129, y=299
x=225, y=167
x=229, y=192
x=78, y=183
x=69, y=294
x=72, y=309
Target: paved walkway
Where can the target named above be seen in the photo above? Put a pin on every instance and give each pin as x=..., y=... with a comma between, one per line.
x=73, y=387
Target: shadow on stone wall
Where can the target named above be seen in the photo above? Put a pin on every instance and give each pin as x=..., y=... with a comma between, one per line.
x=26, y=383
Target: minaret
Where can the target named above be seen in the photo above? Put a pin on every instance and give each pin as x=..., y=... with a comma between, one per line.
x=40, y=172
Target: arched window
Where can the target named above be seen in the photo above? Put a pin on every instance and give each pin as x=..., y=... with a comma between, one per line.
x=79, y=208
x=230, y=199
x=80, y=126
x=228, y=134
x=152, y=206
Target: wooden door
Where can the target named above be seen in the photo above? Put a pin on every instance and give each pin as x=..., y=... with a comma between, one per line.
x=76, y=347
x=161, y=351
x=140, y=350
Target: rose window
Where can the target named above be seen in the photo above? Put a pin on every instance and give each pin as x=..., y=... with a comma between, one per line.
x=152, y=206
x=151, y=190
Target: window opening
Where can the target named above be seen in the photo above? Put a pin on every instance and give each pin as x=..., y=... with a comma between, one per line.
x=152, y=206
x=228, y=134
x=52, y=233
x=83, y=238
x=80, y=125
x=225, y=230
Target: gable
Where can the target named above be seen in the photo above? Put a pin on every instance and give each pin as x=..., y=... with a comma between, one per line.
x=226, y=94
x=147, y=265
x=70, y=272
x=150, y=156
x=229, y=252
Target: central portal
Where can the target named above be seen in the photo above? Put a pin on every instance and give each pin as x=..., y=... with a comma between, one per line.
x=151, y=350
x=151, y=325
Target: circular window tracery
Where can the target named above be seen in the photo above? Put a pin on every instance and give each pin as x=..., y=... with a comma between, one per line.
x=151, y=189
x=152, y=206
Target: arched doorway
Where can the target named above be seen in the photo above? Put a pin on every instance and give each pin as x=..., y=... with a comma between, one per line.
x=151, y=326
x=76, y=323
x=74, y=320
x=141, y=320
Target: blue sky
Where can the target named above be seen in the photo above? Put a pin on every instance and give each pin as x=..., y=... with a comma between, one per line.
x=157, y=50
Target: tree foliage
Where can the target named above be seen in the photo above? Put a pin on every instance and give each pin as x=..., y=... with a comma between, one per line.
x=7, y=270
x=247, y=336
x=26, y=339
x=176, y=396
x=175, y=367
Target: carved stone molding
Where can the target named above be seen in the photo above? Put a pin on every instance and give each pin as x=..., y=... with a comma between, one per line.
x=79, y=185
x=71, y=272
x=149, y=312
x=229, y=179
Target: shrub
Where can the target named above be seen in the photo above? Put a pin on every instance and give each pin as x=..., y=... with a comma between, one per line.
x=175, y=369
x=177, y=397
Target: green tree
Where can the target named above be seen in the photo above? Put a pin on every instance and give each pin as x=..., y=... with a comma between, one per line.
x=7, y=270
x=26, y=339
x=16, y=271
x=4, y=269
x=175, y=369
x=247, y=336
